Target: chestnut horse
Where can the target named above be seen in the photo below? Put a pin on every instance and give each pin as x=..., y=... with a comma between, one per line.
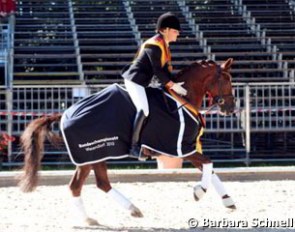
x=200, y=78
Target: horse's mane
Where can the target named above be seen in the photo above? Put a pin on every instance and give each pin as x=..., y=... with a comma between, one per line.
x=197, y=64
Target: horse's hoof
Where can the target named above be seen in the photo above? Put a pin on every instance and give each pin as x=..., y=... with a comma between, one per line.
x=229, y=203
x=233, y=207
x=135, y=212
x=91, y=222
x=199, y=192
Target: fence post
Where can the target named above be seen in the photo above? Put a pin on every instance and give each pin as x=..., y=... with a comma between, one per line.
x=10, y=50
x=9, y=121
x=76, y=41
x=247, y=124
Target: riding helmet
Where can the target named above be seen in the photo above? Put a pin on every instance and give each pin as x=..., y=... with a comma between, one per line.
x=168, y=20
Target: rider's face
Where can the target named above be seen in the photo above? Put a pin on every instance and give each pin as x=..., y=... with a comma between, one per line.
x=171, y=34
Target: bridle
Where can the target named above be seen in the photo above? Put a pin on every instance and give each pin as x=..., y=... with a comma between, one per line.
x=220, y=98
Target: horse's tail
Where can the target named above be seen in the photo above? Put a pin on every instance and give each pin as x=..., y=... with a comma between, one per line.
x=32, y=142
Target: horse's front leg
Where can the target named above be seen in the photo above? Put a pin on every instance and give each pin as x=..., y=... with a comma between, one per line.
x=206, y=166
x=103, y=183
x=208, y=176
x=75, y=186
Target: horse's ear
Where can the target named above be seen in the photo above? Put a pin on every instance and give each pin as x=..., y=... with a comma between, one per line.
x=227, y=64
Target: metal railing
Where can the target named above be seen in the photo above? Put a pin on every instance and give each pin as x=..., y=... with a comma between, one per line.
x=261, y=107
x=4, y=48
x=3, y=37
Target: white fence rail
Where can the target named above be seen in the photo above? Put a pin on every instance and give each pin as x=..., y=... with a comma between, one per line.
x=261, y=107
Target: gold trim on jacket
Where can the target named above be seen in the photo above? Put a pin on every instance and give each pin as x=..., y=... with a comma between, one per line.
x=158, y=40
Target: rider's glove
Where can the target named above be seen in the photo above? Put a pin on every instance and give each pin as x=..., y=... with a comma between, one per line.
x=177, y=87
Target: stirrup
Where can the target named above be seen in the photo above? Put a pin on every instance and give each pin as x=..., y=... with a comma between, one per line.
x=199, y=192
x=135, y=153
x=229, y=203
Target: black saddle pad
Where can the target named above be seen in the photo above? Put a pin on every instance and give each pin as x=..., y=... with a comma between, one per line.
x=99, y=127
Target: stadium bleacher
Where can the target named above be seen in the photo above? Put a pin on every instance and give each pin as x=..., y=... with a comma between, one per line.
x=44, y=47
x=92, y=41
x=277, y=21
x=231, y=32
x=89, y=42
x=106, y=39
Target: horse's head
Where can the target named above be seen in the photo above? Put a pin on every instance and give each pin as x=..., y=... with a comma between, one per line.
x=208, y=77
x=220, y=87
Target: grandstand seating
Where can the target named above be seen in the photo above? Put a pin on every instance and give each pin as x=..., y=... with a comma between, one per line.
x=44, y=45
x=78, y=42
x=229, y=32
x=106, y=39
x=92, y=41
x=277, y=20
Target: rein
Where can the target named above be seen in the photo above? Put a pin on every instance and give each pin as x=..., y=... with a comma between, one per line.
x=184, y=103
x=167, y=105
x=217, y=100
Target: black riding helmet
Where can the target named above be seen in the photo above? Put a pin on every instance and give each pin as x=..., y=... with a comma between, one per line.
x=168, y=20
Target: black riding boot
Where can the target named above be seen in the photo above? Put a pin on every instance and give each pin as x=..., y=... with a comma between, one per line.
x=137, y=126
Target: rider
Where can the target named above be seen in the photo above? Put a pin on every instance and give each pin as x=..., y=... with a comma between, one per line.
x=152, y=59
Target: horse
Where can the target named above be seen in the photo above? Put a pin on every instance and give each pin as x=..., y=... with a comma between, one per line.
x=200, y=78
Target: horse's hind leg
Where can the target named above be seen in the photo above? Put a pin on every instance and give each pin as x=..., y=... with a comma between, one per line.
x=220, y=189
x=208, y=176
x=75, y=186
x=103, y=183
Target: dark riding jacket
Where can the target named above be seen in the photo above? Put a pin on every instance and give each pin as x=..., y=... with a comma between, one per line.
x=152, y=59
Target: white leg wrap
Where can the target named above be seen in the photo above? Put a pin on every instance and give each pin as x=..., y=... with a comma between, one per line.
x=120, y=198
x=207, y=175
x=78, y=208
x=218, y=185
x=199, y=192
x=228, y=202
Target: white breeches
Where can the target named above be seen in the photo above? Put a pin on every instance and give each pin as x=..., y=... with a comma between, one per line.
x=138, y=96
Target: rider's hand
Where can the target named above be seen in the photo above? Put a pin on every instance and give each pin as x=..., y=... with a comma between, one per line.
x=177, y=87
